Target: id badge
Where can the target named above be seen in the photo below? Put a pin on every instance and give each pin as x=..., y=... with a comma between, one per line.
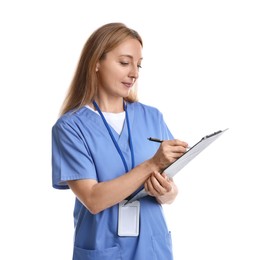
x=129, y=216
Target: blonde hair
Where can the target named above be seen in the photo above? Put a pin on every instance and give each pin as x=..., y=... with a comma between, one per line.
x=84, y=85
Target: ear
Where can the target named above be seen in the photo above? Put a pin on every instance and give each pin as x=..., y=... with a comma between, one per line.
x=97, y=67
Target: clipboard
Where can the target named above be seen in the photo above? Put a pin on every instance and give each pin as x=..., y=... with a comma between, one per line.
x=182, y=161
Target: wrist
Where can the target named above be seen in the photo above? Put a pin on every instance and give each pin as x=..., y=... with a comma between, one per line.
x=152, y=166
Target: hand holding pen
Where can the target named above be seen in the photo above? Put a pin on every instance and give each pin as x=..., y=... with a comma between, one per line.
x=169, y=151
x=160, y=141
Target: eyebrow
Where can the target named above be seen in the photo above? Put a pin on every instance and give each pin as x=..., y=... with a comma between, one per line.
x=129, y=56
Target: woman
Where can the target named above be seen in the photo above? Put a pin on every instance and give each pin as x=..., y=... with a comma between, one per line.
x=100, y=150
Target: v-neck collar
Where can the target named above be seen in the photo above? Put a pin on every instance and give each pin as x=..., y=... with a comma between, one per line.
x=123, y=136
x=116, y=141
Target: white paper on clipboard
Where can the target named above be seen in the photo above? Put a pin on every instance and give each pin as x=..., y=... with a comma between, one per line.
x=184, y=159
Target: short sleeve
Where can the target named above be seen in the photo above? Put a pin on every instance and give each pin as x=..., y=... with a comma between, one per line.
x=71, y=159
x=166, y=133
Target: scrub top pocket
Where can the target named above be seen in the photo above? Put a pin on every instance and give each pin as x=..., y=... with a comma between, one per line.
x=112, y=253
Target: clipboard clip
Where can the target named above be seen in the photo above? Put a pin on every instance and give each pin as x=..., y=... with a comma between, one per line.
x=215, y=133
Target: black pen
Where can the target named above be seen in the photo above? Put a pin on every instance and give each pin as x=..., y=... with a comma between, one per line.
x=155, y=140
x=160, y=141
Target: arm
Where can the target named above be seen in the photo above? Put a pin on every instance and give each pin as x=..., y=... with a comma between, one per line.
x=99, y=196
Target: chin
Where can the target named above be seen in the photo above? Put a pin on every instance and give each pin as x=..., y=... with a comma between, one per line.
x=127, y=93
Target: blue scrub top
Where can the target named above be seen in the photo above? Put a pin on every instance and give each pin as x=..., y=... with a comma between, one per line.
x=83, y=149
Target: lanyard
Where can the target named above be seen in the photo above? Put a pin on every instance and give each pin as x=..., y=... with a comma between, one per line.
x=114, y=140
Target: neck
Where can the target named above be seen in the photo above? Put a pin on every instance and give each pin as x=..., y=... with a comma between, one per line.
x=110, y=106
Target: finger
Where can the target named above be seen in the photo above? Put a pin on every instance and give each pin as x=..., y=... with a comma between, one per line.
x=177, y=142
x=169, y=179
x=156, y=181
x=174, y=151
x=149, y=187
x=163, y=181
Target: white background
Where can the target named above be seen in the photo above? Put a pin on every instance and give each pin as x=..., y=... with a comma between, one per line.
x=198, y=69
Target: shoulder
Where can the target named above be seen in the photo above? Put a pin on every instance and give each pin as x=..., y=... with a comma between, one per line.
x=145, y=109
x=74, y=121
x=73, y=117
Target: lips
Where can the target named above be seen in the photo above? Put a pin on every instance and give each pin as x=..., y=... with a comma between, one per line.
x=127, y=84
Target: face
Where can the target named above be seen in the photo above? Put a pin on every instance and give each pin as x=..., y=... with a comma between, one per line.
x=119, y=69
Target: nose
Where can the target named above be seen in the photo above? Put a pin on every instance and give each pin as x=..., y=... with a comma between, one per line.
x=134, y=73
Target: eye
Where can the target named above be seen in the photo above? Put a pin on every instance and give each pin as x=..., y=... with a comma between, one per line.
x=124, y=63
x=139, y=66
